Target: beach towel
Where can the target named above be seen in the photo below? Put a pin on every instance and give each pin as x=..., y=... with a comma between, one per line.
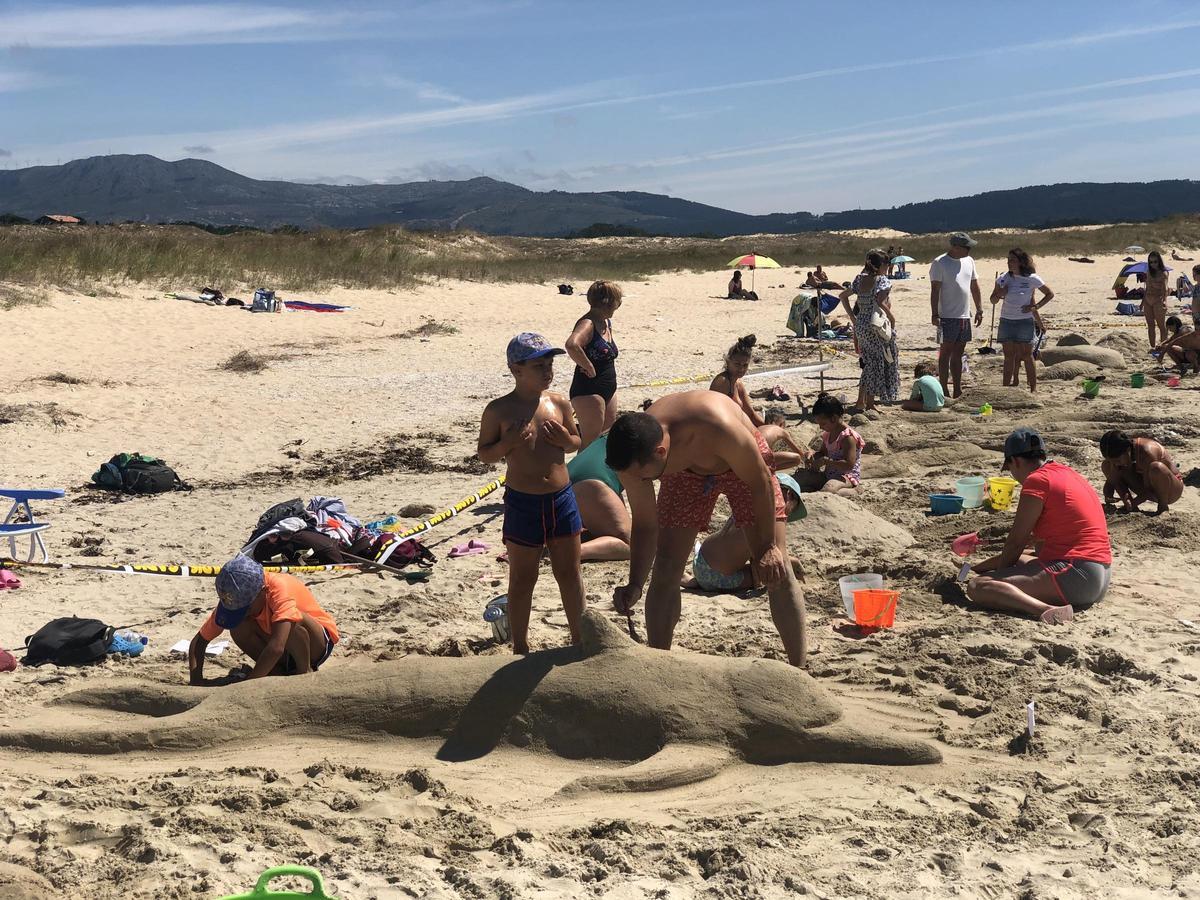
x=1128, y=309
x=829, y=302
x=305, y=306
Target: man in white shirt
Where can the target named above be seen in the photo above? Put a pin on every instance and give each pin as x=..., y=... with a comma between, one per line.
x=953, y=285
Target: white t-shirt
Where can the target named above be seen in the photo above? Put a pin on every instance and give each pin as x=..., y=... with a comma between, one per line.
x=1020, y=293
x=956, y=276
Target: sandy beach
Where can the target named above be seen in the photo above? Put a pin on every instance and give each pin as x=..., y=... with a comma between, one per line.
x=380, y=406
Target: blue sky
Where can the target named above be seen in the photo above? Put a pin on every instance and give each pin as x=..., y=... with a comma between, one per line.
x=760, y=107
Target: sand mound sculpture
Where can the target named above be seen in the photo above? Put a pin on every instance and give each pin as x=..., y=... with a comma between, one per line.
x=678, y=716
x=1097, y=356
x=1066, y=371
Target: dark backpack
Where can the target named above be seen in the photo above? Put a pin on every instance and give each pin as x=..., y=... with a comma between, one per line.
x=277, y=513
x=68, y=642
x=136, y=473
x=566, y=288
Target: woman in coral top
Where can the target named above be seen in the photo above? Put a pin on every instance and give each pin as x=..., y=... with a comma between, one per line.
x=1061, y=514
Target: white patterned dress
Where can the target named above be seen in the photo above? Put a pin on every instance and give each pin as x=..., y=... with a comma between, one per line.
x=880, y=378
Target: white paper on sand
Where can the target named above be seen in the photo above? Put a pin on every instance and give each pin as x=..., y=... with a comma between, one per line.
x=1031, y=717
x=211, y=650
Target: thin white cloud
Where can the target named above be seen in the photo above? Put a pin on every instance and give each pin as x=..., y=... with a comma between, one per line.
x=422, y=90
x=162, y=24
x=11, y=82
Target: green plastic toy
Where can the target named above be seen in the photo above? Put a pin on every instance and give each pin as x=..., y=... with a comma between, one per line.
x=262, y=889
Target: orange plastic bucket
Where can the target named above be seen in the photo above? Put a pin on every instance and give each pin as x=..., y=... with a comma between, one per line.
x=875, y=608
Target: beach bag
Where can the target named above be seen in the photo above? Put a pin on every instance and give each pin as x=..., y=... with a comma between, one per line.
x=264, y=301
x=566, y=289
x=881, y=326
x=68, y=642
x=401, y=552
x=276, y=514
x=1128, y=309
x=137, y=473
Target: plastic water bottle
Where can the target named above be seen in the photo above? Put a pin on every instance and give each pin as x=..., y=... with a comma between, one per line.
x=496, y=613
x=128, y=642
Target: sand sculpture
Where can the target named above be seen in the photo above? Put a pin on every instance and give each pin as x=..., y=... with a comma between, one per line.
x=1097, y=356
x=678, y=716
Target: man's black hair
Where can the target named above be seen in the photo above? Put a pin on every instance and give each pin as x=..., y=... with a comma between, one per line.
x=632, y=440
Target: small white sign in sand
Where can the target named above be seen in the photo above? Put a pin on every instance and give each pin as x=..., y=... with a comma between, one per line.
x=211, y=650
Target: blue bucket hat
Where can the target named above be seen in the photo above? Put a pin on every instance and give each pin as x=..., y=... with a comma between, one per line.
x=238, y=583
x=789, y=483
x=527, y=345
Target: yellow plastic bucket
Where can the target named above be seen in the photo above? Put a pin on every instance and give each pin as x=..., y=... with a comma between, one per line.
x=1000, y=491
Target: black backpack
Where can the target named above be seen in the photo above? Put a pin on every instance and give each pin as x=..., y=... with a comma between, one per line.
x=136, y=473
x=277, y=513
x=68, y=642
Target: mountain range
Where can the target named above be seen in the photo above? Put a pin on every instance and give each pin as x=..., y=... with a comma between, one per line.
x=143, y=188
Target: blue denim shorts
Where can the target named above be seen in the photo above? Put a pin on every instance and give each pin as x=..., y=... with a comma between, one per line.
x=1017, y=331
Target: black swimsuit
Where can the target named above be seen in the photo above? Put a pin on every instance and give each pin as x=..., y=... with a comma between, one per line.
x=601, y=354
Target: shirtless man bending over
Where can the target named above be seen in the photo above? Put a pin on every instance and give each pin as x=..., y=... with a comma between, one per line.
x=699, y=445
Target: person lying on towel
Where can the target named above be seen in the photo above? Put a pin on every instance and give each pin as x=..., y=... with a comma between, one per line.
x=272, y=617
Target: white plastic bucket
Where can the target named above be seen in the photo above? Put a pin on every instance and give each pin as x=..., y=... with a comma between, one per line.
x=862, y=582
x=971, y=490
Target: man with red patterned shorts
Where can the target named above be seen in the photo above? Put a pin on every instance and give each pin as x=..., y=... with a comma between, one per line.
x=700, y=445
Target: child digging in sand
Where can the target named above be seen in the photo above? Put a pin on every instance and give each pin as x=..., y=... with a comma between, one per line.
x=837, y=466
x=927, y=393
x=531, y=429
x=1183, y=346
x=722, y=561
x=1138, y=469
x=729, y=382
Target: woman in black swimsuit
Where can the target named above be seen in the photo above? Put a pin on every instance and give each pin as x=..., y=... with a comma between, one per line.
x=592, y=347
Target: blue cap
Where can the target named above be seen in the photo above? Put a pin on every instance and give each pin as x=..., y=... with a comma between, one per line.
x=790, y=483
x=238, y=583
x=527, y=345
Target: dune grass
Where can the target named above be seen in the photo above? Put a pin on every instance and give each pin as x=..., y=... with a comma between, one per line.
x=185, y=257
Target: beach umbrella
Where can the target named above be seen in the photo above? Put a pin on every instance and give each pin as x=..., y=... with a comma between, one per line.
x=1134, y=248
x=752, y=261
x=902, y=259
x=1138, y=268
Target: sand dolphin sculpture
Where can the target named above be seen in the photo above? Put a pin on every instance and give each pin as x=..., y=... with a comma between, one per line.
x=678, y=717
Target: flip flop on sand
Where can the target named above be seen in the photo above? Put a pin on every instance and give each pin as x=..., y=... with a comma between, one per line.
x=470, y=548
x=8, y=581
x=1057, y=615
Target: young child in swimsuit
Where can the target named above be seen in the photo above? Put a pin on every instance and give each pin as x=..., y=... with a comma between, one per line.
x=837, y=466
x=729, y=382
x=1183, y=346
x=1137, y=469
x=532, y=429
x=722, y=561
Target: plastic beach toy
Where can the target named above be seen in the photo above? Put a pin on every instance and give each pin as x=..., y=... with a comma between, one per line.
x=1091, y=388
x=1000, y=492
x=971, y=489
x=985, y=410
x=875, y=609
x=262, y=889
x=966, y=544
x=1137, y=379
x=945, y=504
x=851, y=583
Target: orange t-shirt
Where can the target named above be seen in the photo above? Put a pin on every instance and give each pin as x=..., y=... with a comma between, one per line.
x=287, y=599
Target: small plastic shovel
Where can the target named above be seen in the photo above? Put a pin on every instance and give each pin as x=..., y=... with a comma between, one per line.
x=966, y=544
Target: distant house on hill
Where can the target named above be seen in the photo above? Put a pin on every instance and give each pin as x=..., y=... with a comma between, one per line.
x=58, y=219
